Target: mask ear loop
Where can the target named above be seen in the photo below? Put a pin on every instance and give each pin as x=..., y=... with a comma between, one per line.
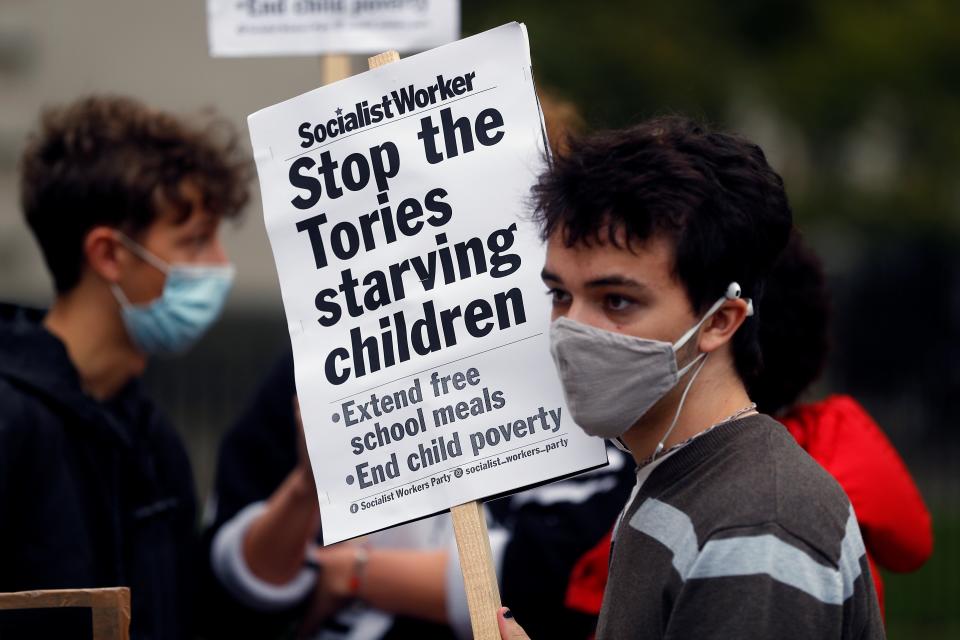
x=692, y=330
x=733, y=292
x=676, y=416
x=142, y=253
x=121, y=297
x=702, y=358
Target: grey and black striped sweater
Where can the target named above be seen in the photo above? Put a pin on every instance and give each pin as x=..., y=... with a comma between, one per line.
x=740, y=534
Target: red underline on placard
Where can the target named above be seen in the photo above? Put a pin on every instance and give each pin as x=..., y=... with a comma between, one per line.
x=410, y=375
x=474, y=460
x=391, y=121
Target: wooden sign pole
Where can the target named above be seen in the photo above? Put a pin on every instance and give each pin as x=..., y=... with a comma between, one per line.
x=335, y=67
x=470, y=528
x=479, y=574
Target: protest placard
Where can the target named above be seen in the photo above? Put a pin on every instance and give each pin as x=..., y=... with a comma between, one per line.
x=310, y=27
x=396, y=205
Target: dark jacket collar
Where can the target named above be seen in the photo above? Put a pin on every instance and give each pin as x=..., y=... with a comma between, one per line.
x=35, y=361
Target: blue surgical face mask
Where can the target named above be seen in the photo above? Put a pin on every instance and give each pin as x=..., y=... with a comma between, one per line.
x=192, y=299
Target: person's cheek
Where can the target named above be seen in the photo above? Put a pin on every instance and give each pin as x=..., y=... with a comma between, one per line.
x=213, y=252
x=221, y=252
x=145, y=284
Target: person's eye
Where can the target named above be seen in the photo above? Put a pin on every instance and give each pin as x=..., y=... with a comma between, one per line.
x=191, y=241
x=558, y=296
x=618, y=303
x=201, y=240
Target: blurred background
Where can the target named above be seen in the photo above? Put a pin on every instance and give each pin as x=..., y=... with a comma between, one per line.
x=856, y=103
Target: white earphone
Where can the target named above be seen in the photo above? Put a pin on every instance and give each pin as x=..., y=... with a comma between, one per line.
x=734, y=292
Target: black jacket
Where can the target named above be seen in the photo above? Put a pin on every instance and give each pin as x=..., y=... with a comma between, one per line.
x=91, y=494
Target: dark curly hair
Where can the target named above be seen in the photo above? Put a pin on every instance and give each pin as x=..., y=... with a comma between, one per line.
x=110, y=160
x=794, y=332
x=712, y=194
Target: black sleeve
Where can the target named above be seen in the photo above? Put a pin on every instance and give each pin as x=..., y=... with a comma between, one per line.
x=547, y=538
x=176, y=476
x=10, y=447
x=258, y=452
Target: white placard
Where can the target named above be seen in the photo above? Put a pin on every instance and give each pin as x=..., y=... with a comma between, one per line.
x=311, y=27
x=396, y=202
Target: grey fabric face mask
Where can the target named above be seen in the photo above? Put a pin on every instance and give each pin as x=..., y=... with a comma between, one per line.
x=610, y=379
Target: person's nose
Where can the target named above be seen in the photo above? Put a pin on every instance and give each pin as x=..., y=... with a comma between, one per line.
x=580, y=311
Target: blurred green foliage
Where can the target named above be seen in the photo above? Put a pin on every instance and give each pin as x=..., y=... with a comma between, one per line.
x=857, y=102
x=923, y=604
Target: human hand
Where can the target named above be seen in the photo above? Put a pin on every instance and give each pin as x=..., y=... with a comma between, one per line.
x=509, y=628
x=333, y=591
x=339, y=565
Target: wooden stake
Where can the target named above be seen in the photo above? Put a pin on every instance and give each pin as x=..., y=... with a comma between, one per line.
x=470, y=528
x=479, y=574
x=335, y=67
x=383, y=58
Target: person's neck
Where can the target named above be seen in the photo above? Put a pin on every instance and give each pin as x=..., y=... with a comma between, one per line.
x=716, y=394
x=88, y=323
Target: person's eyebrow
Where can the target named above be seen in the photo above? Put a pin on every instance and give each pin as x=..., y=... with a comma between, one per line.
x=550, y=276
x=603, y=281
x=617, y=281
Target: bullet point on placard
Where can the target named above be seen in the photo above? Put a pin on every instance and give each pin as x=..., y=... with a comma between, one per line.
x=349, y=479
x=336, y=417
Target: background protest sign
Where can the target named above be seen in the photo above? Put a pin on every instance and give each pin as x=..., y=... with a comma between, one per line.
x=309, y=27
x=395, y=205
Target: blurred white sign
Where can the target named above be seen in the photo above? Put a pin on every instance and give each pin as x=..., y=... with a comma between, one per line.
x=310, y=27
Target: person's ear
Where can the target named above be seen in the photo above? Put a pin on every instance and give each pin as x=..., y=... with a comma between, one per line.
x=720, y=327
x=102, y=254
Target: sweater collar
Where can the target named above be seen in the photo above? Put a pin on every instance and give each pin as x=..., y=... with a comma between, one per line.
x=700, y=450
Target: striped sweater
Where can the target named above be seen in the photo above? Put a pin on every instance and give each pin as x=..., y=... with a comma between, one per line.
x=740, y=534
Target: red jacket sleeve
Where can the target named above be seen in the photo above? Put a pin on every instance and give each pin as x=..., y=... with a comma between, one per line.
x=588, y=579
x=845, y=440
